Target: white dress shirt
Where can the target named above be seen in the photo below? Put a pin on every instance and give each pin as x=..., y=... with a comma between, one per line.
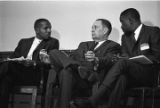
x=99, y=44
x=137, y=31
x=35, y=43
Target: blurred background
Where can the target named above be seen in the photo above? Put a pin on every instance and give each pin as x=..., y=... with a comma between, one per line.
x=71, y=20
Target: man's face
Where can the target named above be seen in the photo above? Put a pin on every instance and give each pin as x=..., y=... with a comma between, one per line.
x=126, y=24
x=44, y=30
x=98, y=31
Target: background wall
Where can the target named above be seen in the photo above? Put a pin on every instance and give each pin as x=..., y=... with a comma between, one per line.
x=71, y=20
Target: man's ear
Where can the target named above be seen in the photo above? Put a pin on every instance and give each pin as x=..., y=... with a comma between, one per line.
x=105, y=30
x=36, y=30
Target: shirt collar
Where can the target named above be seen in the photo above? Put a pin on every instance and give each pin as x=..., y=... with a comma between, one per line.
x=137, y=31
x=36, y=39
x=99, y=43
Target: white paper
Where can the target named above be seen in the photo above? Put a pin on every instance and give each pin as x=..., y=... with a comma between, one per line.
x=142, y=59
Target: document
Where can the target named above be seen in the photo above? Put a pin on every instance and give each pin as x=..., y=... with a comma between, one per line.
x=16, y=59
x=141, y=59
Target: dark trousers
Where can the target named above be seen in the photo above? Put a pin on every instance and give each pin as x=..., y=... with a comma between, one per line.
x=72, y=86
x=70, y=81
x=52, y=89
x=124, y=74
x=14, y=73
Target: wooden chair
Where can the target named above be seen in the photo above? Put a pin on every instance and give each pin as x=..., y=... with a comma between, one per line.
x=34, y=90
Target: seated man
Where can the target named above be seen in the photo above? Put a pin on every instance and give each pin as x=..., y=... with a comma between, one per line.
x=138, y=39
x=85, y=67
x=19, y=69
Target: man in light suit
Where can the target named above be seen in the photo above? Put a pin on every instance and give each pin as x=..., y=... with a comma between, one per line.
x=85, y=67
x=26, y=53
x=138, y=39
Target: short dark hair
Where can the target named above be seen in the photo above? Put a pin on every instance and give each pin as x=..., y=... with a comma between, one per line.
x=107, y=24
x=132, y=13
x=38, y=22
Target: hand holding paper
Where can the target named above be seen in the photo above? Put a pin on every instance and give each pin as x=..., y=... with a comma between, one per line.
x=26, y=62
x=44, y=57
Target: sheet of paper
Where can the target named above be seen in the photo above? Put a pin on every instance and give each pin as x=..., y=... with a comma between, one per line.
x=142, y=59
x=16, y=59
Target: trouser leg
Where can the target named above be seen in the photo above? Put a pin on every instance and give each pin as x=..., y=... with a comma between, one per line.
x=51, y=83
x=136, y=75
x=66, y=82
x=3, y=69
x=5, y=91
x=60, y=60
x=70, y=85
x=108, y=83
x=116, y=97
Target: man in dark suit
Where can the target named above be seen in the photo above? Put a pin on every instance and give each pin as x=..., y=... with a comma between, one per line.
x=138, y=39
x=24, y=69
x=85, y=67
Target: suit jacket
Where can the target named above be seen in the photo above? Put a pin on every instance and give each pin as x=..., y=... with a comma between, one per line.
x=24, y=46
x=148, y=44
x=59, y=59
x=104, y=53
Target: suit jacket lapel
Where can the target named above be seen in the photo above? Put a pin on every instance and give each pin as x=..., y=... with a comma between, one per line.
x=141, y=34
x=101, y=46
x=90, y=45
x=37, y=50
x=41, y=45
x=140, y=37
x=28, y=46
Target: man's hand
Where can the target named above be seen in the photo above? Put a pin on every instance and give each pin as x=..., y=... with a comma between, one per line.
x=44, y=57
x=115, y=58
x=89, y=56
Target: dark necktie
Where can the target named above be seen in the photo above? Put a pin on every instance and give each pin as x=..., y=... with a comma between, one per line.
x=133, y=37
x=132, y=40
x=93, y=46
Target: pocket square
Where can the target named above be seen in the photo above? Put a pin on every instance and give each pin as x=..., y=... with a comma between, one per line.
x=144, y=46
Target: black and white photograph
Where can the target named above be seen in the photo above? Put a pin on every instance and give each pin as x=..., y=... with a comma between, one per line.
x=79, y=54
